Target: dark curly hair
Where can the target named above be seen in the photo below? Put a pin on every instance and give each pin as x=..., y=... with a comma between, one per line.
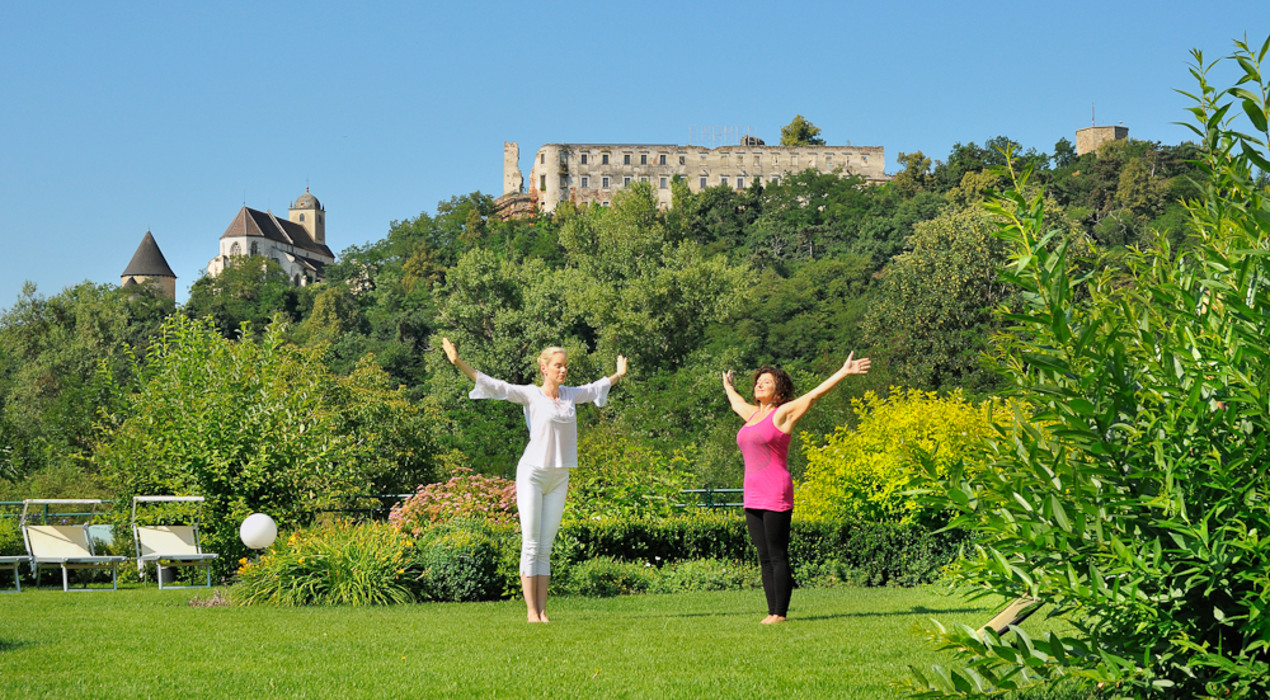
x=784, y=385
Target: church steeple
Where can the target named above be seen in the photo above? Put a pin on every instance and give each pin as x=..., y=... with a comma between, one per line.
x=308, y=212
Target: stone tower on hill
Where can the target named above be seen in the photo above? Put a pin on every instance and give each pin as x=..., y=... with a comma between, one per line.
x=148, y=266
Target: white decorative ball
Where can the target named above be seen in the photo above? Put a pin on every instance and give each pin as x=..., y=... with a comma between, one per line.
x=258, y=531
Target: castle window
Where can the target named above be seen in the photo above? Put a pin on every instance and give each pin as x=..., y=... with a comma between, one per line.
x=740, y=183
x=542, y=182
x=703, y=183
x=583, y=159
x=662, y=183
x=542, y=158
x=626, y=182
x=604, y=182
x=255, y=248
x=682, y=159
x=643, y=159
x=586, y=182
x=604, y=159
x=661, y=159
x=626, y=159
x=564, y=182
x=723, y=180
x=643, y=178
x=301, y=217
x=235, y=249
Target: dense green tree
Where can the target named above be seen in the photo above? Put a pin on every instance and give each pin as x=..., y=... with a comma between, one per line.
x=50, y=352
x=933, y=313
x=801, y=132
x=251, y=289
x=256, y=427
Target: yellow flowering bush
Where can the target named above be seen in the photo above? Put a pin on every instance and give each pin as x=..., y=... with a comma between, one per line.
x=863, y=473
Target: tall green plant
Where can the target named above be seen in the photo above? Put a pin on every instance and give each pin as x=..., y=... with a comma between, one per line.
x=1142, y=512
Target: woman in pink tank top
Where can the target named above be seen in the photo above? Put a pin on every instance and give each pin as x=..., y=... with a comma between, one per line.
x=769, y=489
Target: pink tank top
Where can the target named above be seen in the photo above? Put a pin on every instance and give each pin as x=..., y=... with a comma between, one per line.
x=768, y=485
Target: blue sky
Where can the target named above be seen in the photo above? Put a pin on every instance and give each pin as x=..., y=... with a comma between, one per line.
x=120, y=118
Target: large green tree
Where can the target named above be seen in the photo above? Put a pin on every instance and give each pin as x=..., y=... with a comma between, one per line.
x=801, y=132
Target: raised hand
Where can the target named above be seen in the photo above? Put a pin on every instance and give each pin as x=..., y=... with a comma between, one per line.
x=451, y=353
x=854, y=366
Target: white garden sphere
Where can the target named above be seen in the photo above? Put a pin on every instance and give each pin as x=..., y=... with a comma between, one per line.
x=258, y=531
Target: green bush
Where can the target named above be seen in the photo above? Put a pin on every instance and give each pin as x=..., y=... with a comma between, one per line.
x=1140, y=514
x=361, y=564
x=865, y=473
x=705, y=575
x=11, y=543
x=459, y=566
x=605, y=577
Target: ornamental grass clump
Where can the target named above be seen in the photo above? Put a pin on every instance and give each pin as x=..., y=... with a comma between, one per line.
x=467, y=494
x=339, y=564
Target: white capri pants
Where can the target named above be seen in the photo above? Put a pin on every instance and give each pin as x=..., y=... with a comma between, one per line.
x=540, y=493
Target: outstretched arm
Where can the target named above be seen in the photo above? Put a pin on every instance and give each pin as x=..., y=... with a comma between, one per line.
x=789, y=413
x=452, y=354
x=621, y=370
x=739, y=405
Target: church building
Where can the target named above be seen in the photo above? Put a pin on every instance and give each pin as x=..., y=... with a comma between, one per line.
x=297, y=243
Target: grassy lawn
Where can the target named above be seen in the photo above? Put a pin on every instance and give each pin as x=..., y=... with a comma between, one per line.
x=847, y=643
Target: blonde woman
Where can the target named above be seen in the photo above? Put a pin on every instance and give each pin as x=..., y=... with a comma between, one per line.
x=542, y=475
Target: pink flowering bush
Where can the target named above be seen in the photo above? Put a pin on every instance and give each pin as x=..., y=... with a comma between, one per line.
x=466, y=495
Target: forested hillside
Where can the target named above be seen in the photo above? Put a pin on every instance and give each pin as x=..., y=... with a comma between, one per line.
x=797, y=273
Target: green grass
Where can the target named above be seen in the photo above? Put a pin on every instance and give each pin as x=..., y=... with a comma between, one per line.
x=137, y=642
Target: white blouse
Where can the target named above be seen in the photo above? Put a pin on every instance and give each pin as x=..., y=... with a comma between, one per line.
x=552, y=423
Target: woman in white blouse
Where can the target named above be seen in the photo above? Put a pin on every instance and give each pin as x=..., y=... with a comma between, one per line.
x=542, y=475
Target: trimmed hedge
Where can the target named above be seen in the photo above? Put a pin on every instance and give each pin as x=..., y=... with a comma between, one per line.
x=872, y=554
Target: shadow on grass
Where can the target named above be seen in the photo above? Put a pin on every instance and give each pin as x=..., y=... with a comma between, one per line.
x=7, y=645
x=918, y=610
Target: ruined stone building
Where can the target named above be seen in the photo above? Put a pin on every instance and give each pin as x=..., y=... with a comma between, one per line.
x=1091, y=137
x=149, y=267
x=593, y=172
x=297, y=243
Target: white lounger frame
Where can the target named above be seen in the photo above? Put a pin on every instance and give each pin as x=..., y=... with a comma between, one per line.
x=68, y=546
x=169, y=545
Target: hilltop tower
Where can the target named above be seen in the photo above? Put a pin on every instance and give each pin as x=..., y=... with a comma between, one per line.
x=148, y=266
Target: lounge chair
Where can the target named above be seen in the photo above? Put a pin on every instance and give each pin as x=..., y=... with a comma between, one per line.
x=14, y=563
x=169, y=545
x=66, y=545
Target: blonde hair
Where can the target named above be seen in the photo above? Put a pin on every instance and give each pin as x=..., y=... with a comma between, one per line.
x=545, y=356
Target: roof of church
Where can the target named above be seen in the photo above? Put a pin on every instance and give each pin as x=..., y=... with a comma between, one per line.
x=250, y=222
x=148, y=261
x=307, y=201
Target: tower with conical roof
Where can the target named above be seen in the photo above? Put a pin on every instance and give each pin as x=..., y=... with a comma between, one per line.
x=148, y=266
x=308, y=212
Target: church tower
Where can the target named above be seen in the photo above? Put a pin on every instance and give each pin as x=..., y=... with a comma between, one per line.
x=148, y=266
x=308, y=212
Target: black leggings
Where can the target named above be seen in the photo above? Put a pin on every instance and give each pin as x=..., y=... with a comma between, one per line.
x=769, y=530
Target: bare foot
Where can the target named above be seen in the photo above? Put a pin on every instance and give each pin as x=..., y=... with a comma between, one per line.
x=772, y=619
x=534, y=618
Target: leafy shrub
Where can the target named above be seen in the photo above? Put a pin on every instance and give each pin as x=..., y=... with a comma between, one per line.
x=11, y=543
x=864, y=474
x=617, y=478
x=705, y=575
x=465, y=495
x=1141, y=515
x=254, y=426
x=343, y=563
x=459, y=566
x=605, y=577
x=703, y=536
